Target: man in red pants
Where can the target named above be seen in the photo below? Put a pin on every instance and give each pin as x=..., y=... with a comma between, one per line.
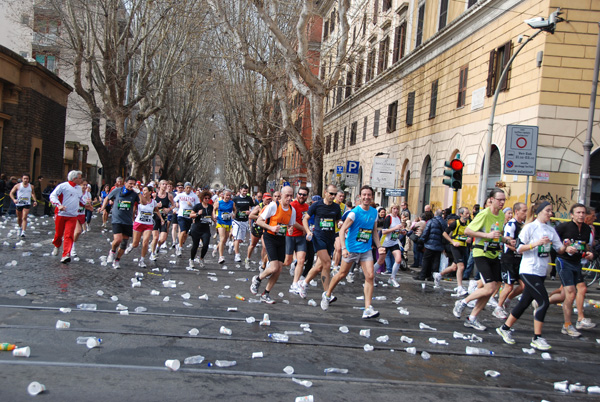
x=65, y=198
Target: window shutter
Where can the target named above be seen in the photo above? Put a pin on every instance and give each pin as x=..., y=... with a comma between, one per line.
x=506, y=58
x=491, y=71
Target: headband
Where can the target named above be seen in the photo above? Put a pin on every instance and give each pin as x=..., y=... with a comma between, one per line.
x=541, y=207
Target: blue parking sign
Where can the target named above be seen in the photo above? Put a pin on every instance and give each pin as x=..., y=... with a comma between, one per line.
x=352, y=167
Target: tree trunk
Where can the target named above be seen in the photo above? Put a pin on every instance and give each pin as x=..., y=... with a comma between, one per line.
x=315, y=164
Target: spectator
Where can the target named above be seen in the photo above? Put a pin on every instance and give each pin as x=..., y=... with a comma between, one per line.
x=432, y=239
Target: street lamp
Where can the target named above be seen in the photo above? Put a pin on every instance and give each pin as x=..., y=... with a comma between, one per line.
x=541, y=25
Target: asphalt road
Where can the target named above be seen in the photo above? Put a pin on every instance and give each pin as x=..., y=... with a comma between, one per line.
x=129, y=364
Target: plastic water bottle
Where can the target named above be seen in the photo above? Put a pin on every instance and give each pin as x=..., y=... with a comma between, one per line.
x=335, y=370
x=277, y=337
x=223, y=363
x=82, y=340
x=87, y=306
x=470, y=350
x=194, y=360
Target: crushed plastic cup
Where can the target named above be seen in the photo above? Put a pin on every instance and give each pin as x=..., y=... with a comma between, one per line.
x=398, y=300
x=365, y=332
x=173, y=365
x=140, y=309
x=403, y=311
x=225, y=331
x=257, y=355
x=166, y=298
x=124, y=312
x=383, y=338
x=35, y=388
x=562, y=386
x=383, y=321
x=406, y=339
x=458, y=335
x=492, y=373
x=193, y=331
x=186, y=296
x=194, y=360
x=312, y=302
x=411, y=350
x=288, y=370
x=231, y=309
x=305, y=383
x=425, y=326
x=154, y=292
x=305, y=398
x=100, y=293
x=475, y=339
x=114, y=298
x=22, y=352
x=250, y=320
x=335, y=370
x=92, y=342
x=203, y=297
x=344, y=329
x=425, y=355
x=121, y=307
x=368, y=348
x=594, y=389
x=62, y=324
x=546, y=356
x=528, y=351
x=21, y=292
x=64, y=310
x=577, y=388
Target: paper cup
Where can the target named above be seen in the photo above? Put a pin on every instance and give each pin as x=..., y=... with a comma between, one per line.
x=62, y=324
x=92, y=343
x=35, y=388
x=172, y=365
x=22, y=352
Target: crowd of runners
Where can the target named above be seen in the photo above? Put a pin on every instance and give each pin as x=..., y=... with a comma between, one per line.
x=511, y=249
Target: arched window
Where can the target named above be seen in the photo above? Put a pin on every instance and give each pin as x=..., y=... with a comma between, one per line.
x=425, y=191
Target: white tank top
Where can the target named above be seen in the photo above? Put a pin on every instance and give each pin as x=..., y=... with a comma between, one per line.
x=391, y=239
x=24, y=195
x=145, y=213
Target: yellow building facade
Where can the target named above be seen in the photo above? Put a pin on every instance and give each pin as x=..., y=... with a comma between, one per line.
x=419, y=89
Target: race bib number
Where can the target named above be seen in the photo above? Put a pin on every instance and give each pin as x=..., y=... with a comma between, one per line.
x=80, y=209
x=462, y=238
x=124, y=205
x=326, y=224
x=226, y=216
x=491, y=246
x=394, y=236
x=242, y=214
x=364, y=235
x=186, y=213
x=23, y=201
x=282, y=230
x=146, y=217
x=544, y=250
x=580, y=246
x=206, y=220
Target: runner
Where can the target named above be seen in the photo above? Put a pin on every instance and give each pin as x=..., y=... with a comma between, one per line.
x=486, y=229
x=535, y=241
x=576, y=235
x=160, y=230
x=243, y=203
x=185, y=204
x=144, y=223
x=510, y=262
x=361, y=226
x=65, y=198
x=174, y=218
x=202, y=214
x=389, y=243
x=281, y=217
x=327, y=215
x=85, y=203
x=340, y=197
x=296, y=242
x=459, y=247
x=124, y=199
x=21, y=195
x=256, y=231
x=222, y=213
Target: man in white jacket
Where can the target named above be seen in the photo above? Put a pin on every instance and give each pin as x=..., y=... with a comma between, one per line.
x=65, y=198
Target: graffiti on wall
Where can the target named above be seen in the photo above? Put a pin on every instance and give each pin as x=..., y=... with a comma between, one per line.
x=560, y=204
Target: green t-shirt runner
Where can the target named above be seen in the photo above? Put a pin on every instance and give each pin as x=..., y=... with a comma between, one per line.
x=487, y=222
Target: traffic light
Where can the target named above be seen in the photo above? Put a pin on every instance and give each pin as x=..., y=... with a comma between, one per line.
x=454, y=173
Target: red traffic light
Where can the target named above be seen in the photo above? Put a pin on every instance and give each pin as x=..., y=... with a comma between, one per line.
x=456, y=164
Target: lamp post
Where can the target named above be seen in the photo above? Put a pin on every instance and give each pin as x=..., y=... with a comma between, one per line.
x=541, y=25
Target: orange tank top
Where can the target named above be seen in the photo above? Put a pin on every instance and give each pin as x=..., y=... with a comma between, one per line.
x=281, y=218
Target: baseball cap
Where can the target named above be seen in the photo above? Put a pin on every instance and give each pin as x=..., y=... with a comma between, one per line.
x=187, y=184
x=267, y=196
x=316, y=198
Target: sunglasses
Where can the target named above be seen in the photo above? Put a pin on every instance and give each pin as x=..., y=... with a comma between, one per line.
x=334, y=194
x=303, y=194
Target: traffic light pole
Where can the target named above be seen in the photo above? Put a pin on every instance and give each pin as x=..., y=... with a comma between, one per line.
x=454, y=200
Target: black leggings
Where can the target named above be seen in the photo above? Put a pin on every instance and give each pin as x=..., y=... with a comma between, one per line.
x=310, y=258
x=196, y=237
x=534, y=290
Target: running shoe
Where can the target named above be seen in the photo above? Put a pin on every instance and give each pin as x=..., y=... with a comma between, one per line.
x=570, y=331
x=332, y=299
x=370, y=312
x=506, y=335
x=475, y=324
x=393, y=282
x=493, y=302
x=73, y=252
x=214, y=253
x=65, y=260
x=350, y=277
x=141, y=263
x=293, y=268
x=237, y=258
x=459, y=307
x=111, y=257
x=128, y=249
x=55, y=251
x=116, y=264
x=265, y=298
x=540, y=344
x=294, y=289
x=255, y=284
x=247, y=263
x=191, y=263
x=500, y=313
x=324, y=301
x=302, y=289
x=23, y=233
x=586, y=323
x=221, y=260
x=201, y=263
x=178, y=251
x=153, y=257
x=437, y=279
x=460, y=291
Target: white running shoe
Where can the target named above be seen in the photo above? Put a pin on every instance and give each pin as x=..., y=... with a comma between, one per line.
x=500, y=313
x=586, y=323
x=111, y=257
x=247, y=263
x=370, y=313
x=55, y=251
x=142, y=264
x=128, y=249
x=302, y=289
x=221, y=260
x=190, y=263
x=324, y=301
x=73, y=252
x=393, y=282
x=116, y=264
x=237, y=258
x=540, y=344
x=153, y=257
x=201, y=263
x=294, y=289
x=214, y=253
x=350, y=277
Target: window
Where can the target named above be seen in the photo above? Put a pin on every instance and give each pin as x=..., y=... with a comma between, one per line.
x=349, y=78
x=336, y=140
x=471, y=3
x=399, y=41
x=353, y=132
x=443, y=14
x=359, y=72
x=332, y=21
x=410, y=108
x=24, y=19
x=328, y=145
x=344, y=138
x=376, y=124
x=420, y=22
x=371, y=65
x=387, y=4
x=326, y=29
x=340, y=90
x=462, y=86
x=384, y=50
x=47, y=61
x=375, y=11
x=392, y=117
x=365, y=121
x=323, y=71
x=364, y=25
x=498, y=60
x=433, y=104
